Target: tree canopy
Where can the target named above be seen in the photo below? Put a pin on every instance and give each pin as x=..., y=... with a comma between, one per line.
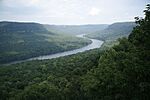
x=120, y=73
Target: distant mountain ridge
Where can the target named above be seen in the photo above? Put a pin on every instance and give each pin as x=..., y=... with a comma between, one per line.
x=21, y=27
x=114, y=31
x=76, y=29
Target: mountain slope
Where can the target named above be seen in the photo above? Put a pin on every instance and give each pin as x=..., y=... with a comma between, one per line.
x=120, y=73
x=114, y=31
x=24, y=40
x=21, y=27
x=124, y=70
x=76, y=29
x=111, y=34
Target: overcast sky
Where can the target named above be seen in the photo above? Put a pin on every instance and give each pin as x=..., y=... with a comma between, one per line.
x=71, y=11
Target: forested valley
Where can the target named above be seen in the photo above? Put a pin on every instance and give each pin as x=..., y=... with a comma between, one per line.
x=121, y=72
x=19, y=41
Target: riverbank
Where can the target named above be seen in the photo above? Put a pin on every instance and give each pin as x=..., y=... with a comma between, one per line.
x=95, y=44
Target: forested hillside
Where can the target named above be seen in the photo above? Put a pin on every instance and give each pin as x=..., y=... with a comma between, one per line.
x=76, y=29
x=108, y=33
x=24, y=40
x=53, y=79
x=123, y=71
x=21, y=27
x=114, y=31
x=120, y=73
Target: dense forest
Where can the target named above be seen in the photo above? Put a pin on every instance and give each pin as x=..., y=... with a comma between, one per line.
x=118, y=73
x=20, y=41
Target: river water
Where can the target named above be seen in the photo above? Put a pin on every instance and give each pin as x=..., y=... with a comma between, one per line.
x=95, y=44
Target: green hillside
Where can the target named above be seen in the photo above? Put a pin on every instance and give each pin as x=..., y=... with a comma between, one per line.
x=24, y=40
x=111, y=34
x=114, y=31
x=120, y=73
x=21, y=27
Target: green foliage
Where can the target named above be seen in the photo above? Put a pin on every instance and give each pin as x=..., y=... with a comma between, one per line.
x=55, y=79
x=20, y=41
x=111, y=34
x=114, y=31
x=140, y=35
x=41, y=91
x=120, y=73
x=123, y=71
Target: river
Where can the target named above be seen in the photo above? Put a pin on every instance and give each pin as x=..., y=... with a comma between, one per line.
x=95, y=44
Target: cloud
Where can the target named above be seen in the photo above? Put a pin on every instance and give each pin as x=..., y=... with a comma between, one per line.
x=65, y=0
x=21, y=3
x=34, y=2
x=71, y=11
x=94, y=11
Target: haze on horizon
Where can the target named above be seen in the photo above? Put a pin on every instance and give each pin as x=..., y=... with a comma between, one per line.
x=71, y=12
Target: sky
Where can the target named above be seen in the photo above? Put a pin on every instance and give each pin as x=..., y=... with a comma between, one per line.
x=71, y=12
